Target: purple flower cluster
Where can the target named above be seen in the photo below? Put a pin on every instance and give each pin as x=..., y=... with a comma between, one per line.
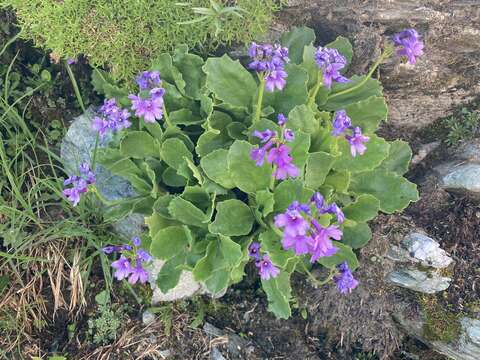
x=131, y=262
x=303, y=234
x=71, y=61
x=344, y=279
x=149, y=103
x=111, y=117
x=265, y=266
x=408, y=45
x=330, y=61
x=79, y=184
x=274, y=149
x=342, y=123
x=270, y=61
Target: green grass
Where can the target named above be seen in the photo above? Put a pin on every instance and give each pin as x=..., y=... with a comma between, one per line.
x=126, y=35
x=465, y=125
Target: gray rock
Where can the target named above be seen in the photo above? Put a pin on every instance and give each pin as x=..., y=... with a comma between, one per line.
x=424, y=151
x=215, y=354
x=460, y=177
x=148, y=318
x=235, y=345
x=426, y=250
x=416, y=280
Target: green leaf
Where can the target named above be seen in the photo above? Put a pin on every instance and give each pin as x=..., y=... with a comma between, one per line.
x=215, y=166
x=371, y=87
x=393, y=191
x=339, y=180
x=230, y=81
x=155, y=223
x=318, y=167
x=246, y=175
x=377, y=151
x=234, y=218
x=184, y=117
x=169, y=274
x=295, y=92
x=187, y=213
x=344, y=46
x=4, y=282
x=161, y=205
x=368, y=113
x=164, y=64
x=356, y=236
x=212, y=140
x=295, y=40
x=191, y=68
x=344, y=253
x=173, y=152
x=265, y=201
x=300, y=146
x=365, y=208
x=271, y=243
x=169, y=242
x=237, y=130
x=302, y=118
x=398, y=158
x=279, y=293
x=139, y=145
x=171, y=178
x=289, y=191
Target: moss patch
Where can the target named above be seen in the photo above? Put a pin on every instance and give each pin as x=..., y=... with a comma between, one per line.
x=440, y=324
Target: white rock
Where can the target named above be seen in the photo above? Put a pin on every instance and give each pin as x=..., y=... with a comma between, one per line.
x=460, y=177
x=148, y=318
x=427, y=250
x=416, y=280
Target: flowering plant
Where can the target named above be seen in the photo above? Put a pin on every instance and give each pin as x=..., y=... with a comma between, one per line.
x=275, y=162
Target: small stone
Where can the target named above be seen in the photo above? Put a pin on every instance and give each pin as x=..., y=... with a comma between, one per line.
x=215, y=354
x=424, y=151
x=460, y=177
x=165, y=354
x=416, y=280
x=148, y=318
x=427, y=250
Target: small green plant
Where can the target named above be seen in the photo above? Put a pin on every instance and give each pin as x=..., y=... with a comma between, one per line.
x=104, y=328
x=124, y=35
x=440, y=324
x=464, y=126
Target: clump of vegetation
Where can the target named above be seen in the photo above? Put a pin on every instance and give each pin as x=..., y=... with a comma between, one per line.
x=440, y=324
x=125, y=35
x=464, y=126
x=104, y=328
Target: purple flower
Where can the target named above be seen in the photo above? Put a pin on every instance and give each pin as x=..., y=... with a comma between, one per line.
x=288, y=135
x=345, y=280
x=280, y=156
x=281, y=119
x=111, y=249
x=258, y=154
x=298, y=243
x=330, y=61
x=267, y=269
x=341, y=122
x=138, y=273
x=143, y=255
x=79, y=184
x=87, y=173
x=264, y=136
x=409, y=45
x=110, y=117
x=148, y=109
x=148, y=80
x=292, y=223
x=136, y=241
x=254, y=250
x=334, y=210
x=285, y=171
x=122, y=268
x=318, y=200
x=71, y=61
x=322, y=244
x=157, y=94
x=275, y=79
x=357, y=141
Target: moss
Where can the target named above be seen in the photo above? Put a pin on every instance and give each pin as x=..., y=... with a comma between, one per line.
x=125, y=35
x=440, y=324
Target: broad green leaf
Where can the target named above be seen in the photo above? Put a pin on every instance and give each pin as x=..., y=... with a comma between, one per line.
x=377, y=151
x=398, y=158
x=169, y=73
x=344, y=94
x=295, y=92
x=215, y=166
x=104, y=84
x=356, y=236
x=279, y=293
x=237, y=130
x=190, y=67
x=197, y=196
x=155, y=223
x=265, y=201
x=246, y=175
x=344, y=46
x=295, y=40
x=173, y=152
x=344, y=253
x=318, y=167
x=233, y=218
x=300, y=146
x=271, y=243
x=171, y=178
x=393, y=191
x=170, y=272
x=184, y=117
x=212, y=140
x=367, y=114
x=161, y=205
x=303, y=118
x=230, y=81
x=176, y=133
x=169, y=242
x=154, y=129
x=365, y=208
x=139, y=145
x=187, y=213
x=310, y=65
x=339, y=180
x=289, y=191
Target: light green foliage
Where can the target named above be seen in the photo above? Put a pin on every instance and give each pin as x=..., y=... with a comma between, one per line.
x=464, y=126
x=125, y=35
x=212, y=200
x=104, y=328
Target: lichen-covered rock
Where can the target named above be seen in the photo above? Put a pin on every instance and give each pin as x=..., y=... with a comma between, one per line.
x=426, y=250
x=462, y=178
x=421, y=281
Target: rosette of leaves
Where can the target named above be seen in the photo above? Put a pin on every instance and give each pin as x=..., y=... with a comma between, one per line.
x=204, y=198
